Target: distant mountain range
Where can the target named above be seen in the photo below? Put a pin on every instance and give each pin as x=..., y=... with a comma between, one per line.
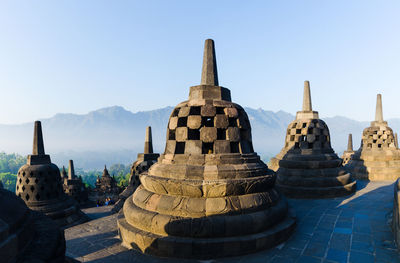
x=115, y=135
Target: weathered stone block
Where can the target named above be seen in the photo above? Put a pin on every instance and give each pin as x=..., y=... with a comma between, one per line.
x=184, y=112
x=221, y=121
x=173, y=123
x=231, y=112
x=170, y=147
x=193, y=147
x=194, y=121
x=222, y=146
x=208, y=134
x=208, y=111
x=233, y=134
x=181, y=134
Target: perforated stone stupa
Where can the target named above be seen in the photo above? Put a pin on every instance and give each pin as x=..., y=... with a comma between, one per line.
x=378, y=158
x=142, y=164
x=39, y=185
x=73, y=185
x=209, y=195
x=307, y=166
x=349, y=152
x=26, y=235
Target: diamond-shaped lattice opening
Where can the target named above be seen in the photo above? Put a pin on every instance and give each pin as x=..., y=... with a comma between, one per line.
x=180, y=148
x=36, y=180
x=304, y=124
x=32, y=188
x=27, y=181
x=234, y=147
x=175, y=112
x=27, y=197
x=208, y=121
x=37, y=197
x=20, y=180
x=232, y=122
x=219, y=110
x=17, y=187
x=208, y=148
x=194, y=134
x=171, y=135
x=379, y=145
x=195, y=110
x=298, y=131
x=23, y=188
x=221, y=134
x=182, y=122
x=23, y=174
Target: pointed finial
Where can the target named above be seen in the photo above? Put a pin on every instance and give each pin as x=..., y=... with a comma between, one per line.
x=209, y=74
x=378, y=111
x=350, y=143
x=38, y=146
x=307, y=97
x=148, y=141
x=71, y=170
x=396, y=141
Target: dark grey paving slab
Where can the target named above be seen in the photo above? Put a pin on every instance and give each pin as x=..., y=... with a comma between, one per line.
x=349, y=229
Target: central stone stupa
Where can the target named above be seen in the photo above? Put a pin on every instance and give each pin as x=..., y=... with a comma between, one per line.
x=307, y=166
x=209, y=195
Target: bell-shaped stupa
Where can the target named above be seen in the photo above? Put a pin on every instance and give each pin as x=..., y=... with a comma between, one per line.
x=349, y=152
x=209, y=195
x=378, y=158
x=73, y=185
x=26, y=235
x=307, y=166
x=142, y=164
x=39, y=184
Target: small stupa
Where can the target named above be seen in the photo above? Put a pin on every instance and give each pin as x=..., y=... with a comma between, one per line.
x=307, y=166
x=349, y=152
x=39, y=185
x=378, y=158
x=26, y=235
x=106, y=184
x=73, y=185
x=209, y=195
x=142, y=164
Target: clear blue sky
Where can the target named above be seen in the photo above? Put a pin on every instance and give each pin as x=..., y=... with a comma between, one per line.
x=78, y=56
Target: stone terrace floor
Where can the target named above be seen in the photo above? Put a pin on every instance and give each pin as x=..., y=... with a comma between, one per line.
x=351, y=229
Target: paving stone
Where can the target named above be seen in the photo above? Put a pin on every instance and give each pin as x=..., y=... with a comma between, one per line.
x=337, y=255
x=361, y=257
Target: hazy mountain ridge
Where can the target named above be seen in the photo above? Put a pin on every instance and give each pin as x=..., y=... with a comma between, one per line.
x=115, y=135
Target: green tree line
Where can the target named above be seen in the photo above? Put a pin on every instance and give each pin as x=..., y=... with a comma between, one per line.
x=10, y=163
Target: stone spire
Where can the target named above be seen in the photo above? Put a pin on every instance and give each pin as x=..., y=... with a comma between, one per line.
x=307, y=97
x=209, y=74
x=71, y=170
x=350, y=143
x=38, y=146
x=378, y=111
x=63, y=173
x=148, y=141
x=307, y=112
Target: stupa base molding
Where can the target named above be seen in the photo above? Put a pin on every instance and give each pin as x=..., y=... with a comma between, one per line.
x=317, y=192
x=204, y=248
x=65, y=214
